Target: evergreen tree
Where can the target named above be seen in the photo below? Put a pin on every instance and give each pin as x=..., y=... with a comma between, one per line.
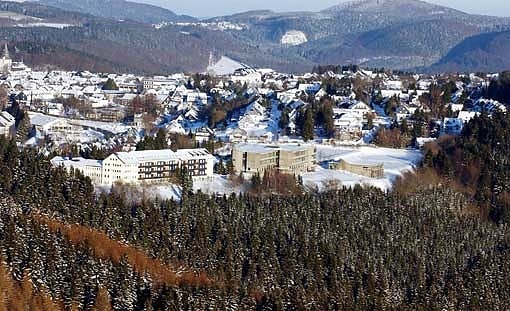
x=308, y=125
x=110, y=85
x=185, y=181
x=284, y=121
x=23, y=129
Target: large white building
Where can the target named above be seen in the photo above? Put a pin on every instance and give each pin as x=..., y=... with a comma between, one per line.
x=148, y=166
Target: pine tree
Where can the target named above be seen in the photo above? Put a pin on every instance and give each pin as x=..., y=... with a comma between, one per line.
x=23, y=129
x=284, y=121
x=102, y=301
x=110, y=85
x=160, y=142
x=308, y=125
x=185, y=181
x=329, y=122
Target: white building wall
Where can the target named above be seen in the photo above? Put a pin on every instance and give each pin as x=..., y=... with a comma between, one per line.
x=127, y=169
x=114, y=170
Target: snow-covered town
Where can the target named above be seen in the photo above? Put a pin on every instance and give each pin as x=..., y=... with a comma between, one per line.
x=108, y=125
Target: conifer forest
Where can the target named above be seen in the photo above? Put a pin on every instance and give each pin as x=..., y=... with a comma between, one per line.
x=442, y=244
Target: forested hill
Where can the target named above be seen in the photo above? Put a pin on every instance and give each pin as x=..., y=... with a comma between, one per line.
x=485, y=52
x=478, y=163
x=105, y=45
x=120, y=10
x=348, y=249
x=119, y=36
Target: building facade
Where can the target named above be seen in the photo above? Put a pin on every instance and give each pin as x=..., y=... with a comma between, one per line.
x=150, y=166
x=257, y=158
x=370, y=171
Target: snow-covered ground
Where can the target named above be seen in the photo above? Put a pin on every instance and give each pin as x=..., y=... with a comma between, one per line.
x=17, y=17
x=224, y=66
x=47, y=25
x=294, y=37
x=165, y=192
x=395, y=161
x=217, y=185
x=222, y=25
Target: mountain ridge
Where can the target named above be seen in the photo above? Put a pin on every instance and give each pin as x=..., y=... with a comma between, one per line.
x=483, y=52
x=398, y=34
x=120, y=10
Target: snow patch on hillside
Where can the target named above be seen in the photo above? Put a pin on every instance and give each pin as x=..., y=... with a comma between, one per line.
x=225, y=66
x=294, y=37
x=17, y=16
x=220, y=26
x=47, y=25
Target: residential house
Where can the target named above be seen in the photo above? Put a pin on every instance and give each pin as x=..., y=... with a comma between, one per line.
x=7, y=124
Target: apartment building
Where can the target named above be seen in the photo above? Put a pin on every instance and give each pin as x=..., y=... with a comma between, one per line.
x=256, y=158
x=89, y=168
x=150, y=166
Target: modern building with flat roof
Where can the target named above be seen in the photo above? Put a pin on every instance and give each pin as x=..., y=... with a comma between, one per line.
x=367, y=170
x=257, y=158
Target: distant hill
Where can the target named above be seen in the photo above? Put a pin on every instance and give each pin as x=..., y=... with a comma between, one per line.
x=398, y=34
x=120, y=10
x=397, y=8
x=99, y=44
x=484, y=52
x=118, y=35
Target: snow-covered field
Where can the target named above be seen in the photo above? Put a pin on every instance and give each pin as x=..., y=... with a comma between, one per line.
x=294, y=37
x=218, y=185
x=224, y=66
x=395, y=161
x=47, y=25
x=16, y=16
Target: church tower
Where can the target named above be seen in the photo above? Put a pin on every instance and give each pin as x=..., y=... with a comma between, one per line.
x=6, y=52
x=5, y=61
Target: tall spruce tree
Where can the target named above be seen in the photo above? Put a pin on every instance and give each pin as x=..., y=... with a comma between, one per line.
x=308, y=125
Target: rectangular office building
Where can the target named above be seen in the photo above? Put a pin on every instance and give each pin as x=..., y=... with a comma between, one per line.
x=257, y=158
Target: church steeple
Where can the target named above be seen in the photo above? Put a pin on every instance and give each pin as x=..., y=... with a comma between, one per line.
x=6, y=52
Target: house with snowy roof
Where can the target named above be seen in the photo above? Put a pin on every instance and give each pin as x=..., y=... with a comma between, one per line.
x=348, y=126
x=452, y=126
x=7, y=124
x=310, y=88
x=51, y=126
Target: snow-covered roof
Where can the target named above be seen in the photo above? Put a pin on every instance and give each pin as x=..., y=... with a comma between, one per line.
x=75, y=162
x=6, y=118
x=39, y=119
x=135, y=157
x=262, y=148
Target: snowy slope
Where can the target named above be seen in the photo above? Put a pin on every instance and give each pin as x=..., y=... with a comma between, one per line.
x=225, y=66
x=396, y=162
